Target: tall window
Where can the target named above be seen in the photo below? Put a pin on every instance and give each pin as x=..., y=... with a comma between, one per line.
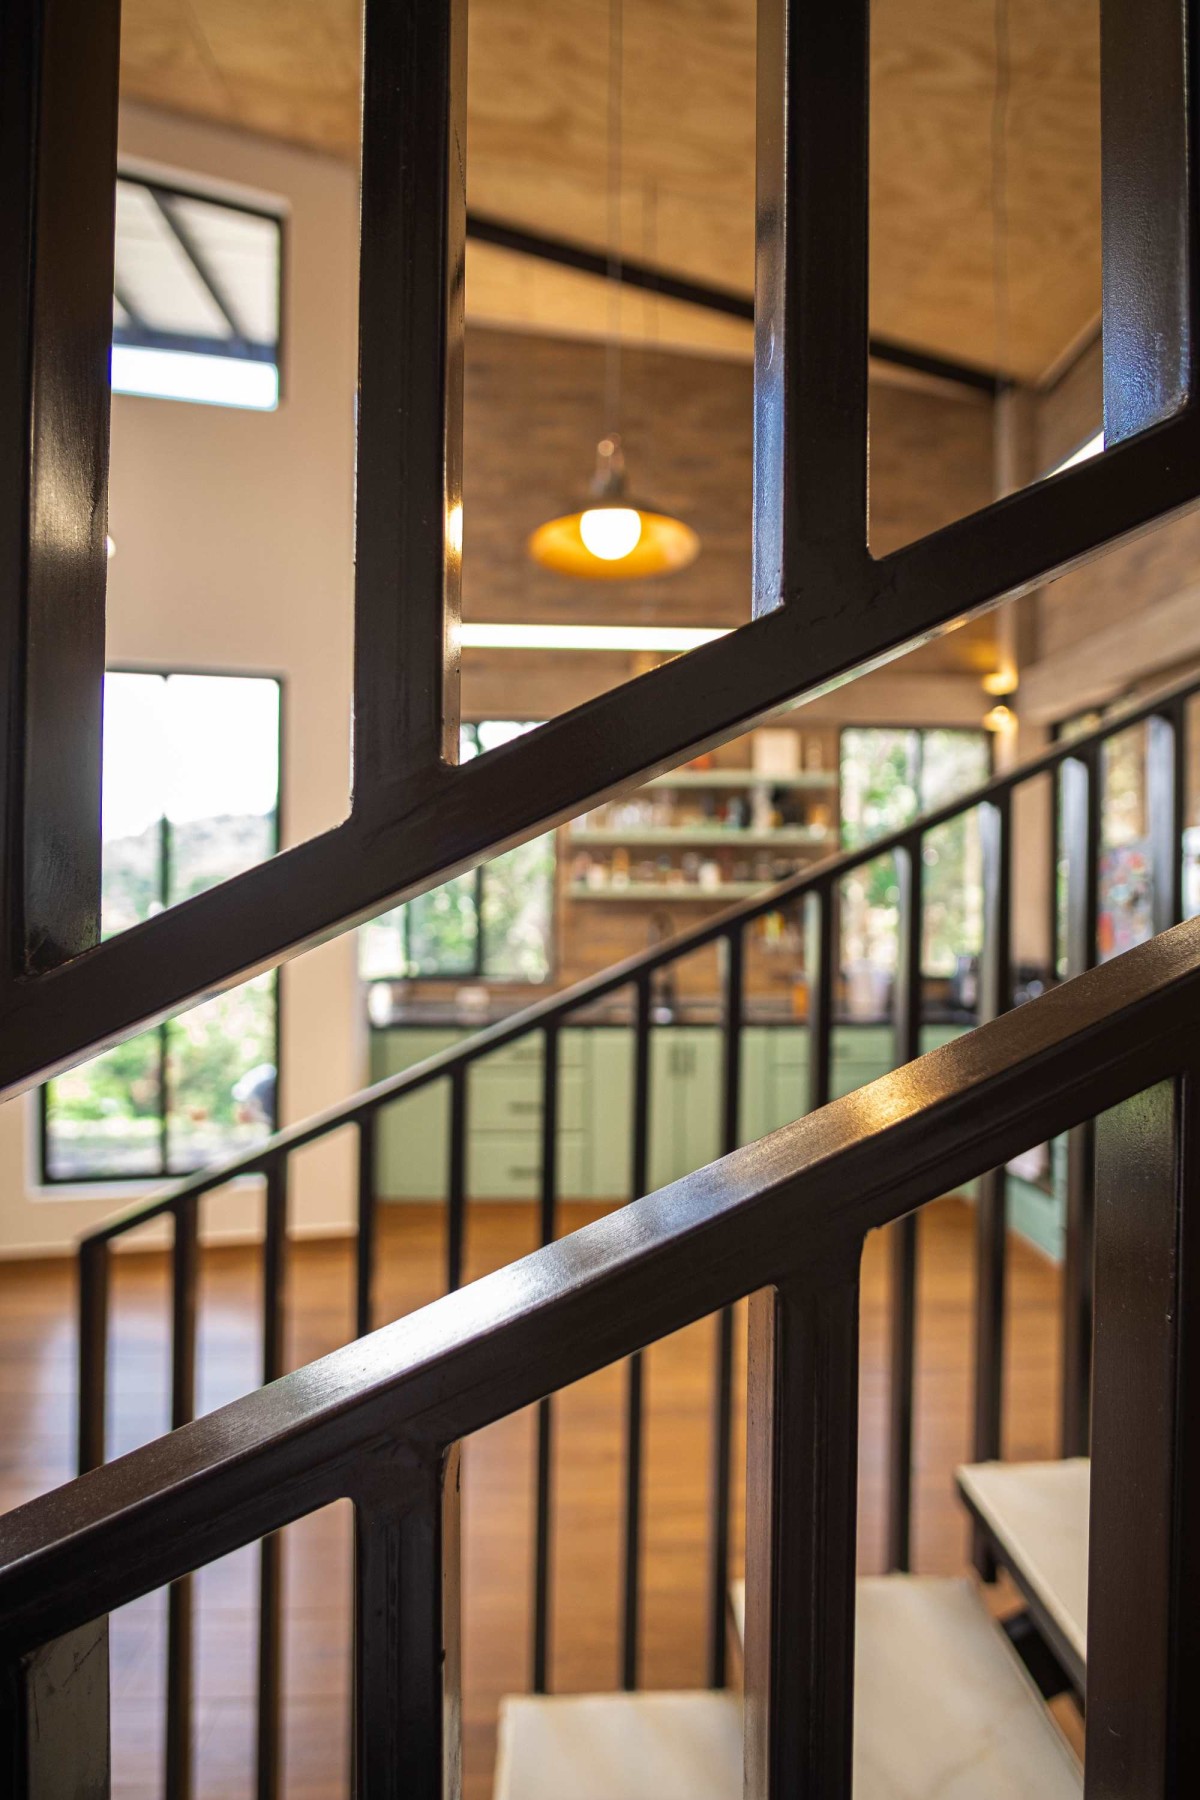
x=888, y=776
x=196, y=298
x=191, y=797
x=495, y=923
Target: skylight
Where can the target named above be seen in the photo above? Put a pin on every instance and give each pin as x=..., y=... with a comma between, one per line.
x=195, y=298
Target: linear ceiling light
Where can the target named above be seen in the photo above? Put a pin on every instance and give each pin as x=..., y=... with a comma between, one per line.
x=589, y=637
x=1085, y=452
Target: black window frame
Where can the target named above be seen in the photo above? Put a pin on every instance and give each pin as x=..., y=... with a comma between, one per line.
x=236, y=348
x=919, y=732
x=476, y=971
x=108, y=1178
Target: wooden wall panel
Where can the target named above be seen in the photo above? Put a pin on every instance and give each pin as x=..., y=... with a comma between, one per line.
x=534, y=410
x=536, y=141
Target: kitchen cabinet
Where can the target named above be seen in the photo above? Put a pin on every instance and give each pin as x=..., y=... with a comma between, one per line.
x=504, y=1104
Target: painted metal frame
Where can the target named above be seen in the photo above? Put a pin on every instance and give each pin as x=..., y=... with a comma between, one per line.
x=823, y=607
x=783, y=1221
x=813, y=891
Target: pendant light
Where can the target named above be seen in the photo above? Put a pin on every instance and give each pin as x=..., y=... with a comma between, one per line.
x=616, y=537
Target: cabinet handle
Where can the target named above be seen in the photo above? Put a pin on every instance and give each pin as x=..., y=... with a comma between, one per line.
x=524, y=1106
x=517, y=1173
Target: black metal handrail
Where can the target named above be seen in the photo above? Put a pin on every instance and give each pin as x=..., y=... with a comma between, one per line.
x=784, y=1220
x=816, y=889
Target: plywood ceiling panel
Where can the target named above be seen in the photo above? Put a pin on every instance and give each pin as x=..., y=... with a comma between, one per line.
x=536, y=137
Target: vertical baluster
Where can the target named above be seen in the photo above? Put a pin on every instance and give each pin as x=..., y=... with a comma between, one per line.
x=93, y=1351
x=635, y=1374
x=545, y=1411
x=365, y=1247
x=270, y=1573
x=1142, y=1582
x=185, y=1274
x=456, y=1190
x=991, y=1219
x=54, y=1719
x=819, y=956
x=903, y=1234
x=722, y=1429
x=1166, y=801
x=407, y=1700
x=801, y=1502
x=1080, y=847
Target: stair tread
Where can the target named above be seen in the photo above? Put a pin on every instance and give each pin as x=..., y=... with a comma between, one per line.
x=1038, y=1514
x=942, y=1708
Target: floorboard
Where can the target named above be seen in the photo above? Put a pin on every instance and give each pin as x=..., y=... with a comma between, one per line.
x=37, y=1390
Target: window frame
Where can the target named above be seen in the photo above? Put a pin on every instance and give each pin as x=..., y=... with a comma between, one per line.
x=176, y=186
x=476, y=973
x=919, y=731
x=107, y=1178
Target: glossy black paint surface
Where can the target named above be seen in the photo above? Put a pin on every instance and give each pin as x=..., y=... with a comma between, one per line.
x=824, y=606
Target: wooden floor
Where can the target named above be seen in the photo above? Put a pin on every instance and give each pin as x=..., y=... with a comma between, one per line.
x=36, y=1438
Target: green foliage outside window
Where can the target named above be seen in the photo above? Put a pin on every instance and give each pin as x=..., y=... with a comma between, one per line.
x=888, y=777
x=191, y=776
x=495, y=922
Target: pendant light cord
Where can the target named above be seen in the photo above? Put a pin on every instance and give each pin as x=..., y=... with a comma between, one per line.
x=612, y=354
x=1001, y=89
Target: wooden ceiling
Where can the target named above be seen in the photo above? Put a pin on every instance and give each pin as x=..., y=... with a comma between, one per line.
x=289, y=68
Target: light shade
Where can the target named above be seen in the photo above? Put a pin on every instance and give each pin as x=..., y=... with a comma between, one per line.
x=613, y=539
x=663, y=545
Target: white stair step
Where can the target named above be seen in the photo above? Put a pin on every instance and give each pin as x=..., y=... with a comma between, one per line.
x=1038, y=1515
x=942, y=1708
x=643, y=1746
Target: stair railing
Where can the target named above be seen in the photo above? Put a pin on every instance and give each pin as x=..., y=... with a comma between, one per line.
x=1079, y=763
x=783, y=1221
x=823, y=607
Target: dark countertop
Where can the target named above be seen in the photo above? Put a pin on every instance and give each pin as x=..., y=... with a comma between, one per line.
x=448, y=1015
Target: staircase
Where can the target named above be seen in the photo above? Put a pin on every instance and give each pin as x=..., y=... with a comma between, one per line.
x=845, y=1685
x=918, y=1641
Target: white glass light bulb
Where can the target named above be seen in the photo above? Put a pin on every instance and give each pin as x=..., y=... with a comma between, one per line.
x=610, y=532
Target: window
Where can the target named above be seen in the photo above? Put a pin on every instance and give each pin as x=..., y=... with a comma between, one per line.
x=888, y=776
x=191, y=797
x=196, y=298
x=496, y=922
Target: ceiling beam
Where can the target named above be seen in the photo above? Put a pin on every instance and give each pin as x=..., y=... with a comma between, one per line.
x=484, y=229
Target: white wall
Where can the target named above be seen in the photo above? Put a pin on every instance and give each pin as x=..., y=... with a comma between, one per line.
x=234, y=552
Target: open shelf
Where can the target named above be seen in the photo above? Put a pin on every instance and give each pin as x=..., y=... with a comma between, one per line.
x=704, y=835
x=726, y=778
x=656, y=890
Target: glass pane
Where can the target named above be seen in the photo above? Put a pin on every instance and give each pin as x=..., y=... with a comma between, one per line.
x=953, y=906
x=952, y=763
x=221, y=757
x=102, y=1119
x=518, y=908
x=879, y=783
x=171, y=338
x=868, y=938
x=221, y=1075
x=134, y=800
x=1125, y=908
x=443, y=929
x=381, y=952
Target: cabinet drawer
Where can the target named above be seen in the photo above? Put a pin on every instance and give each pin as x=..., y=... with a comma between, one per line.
x=392, y=1051
x=506, y=1165
x=526, y=1052
x=503, y=1099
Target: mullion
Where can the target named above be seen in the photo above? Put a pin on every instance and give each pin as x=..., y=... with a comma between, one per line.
x=163, y=1032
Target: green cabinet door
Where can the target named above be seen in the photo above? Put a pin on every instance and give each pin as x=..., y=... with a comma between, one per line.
x=414, y=1133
